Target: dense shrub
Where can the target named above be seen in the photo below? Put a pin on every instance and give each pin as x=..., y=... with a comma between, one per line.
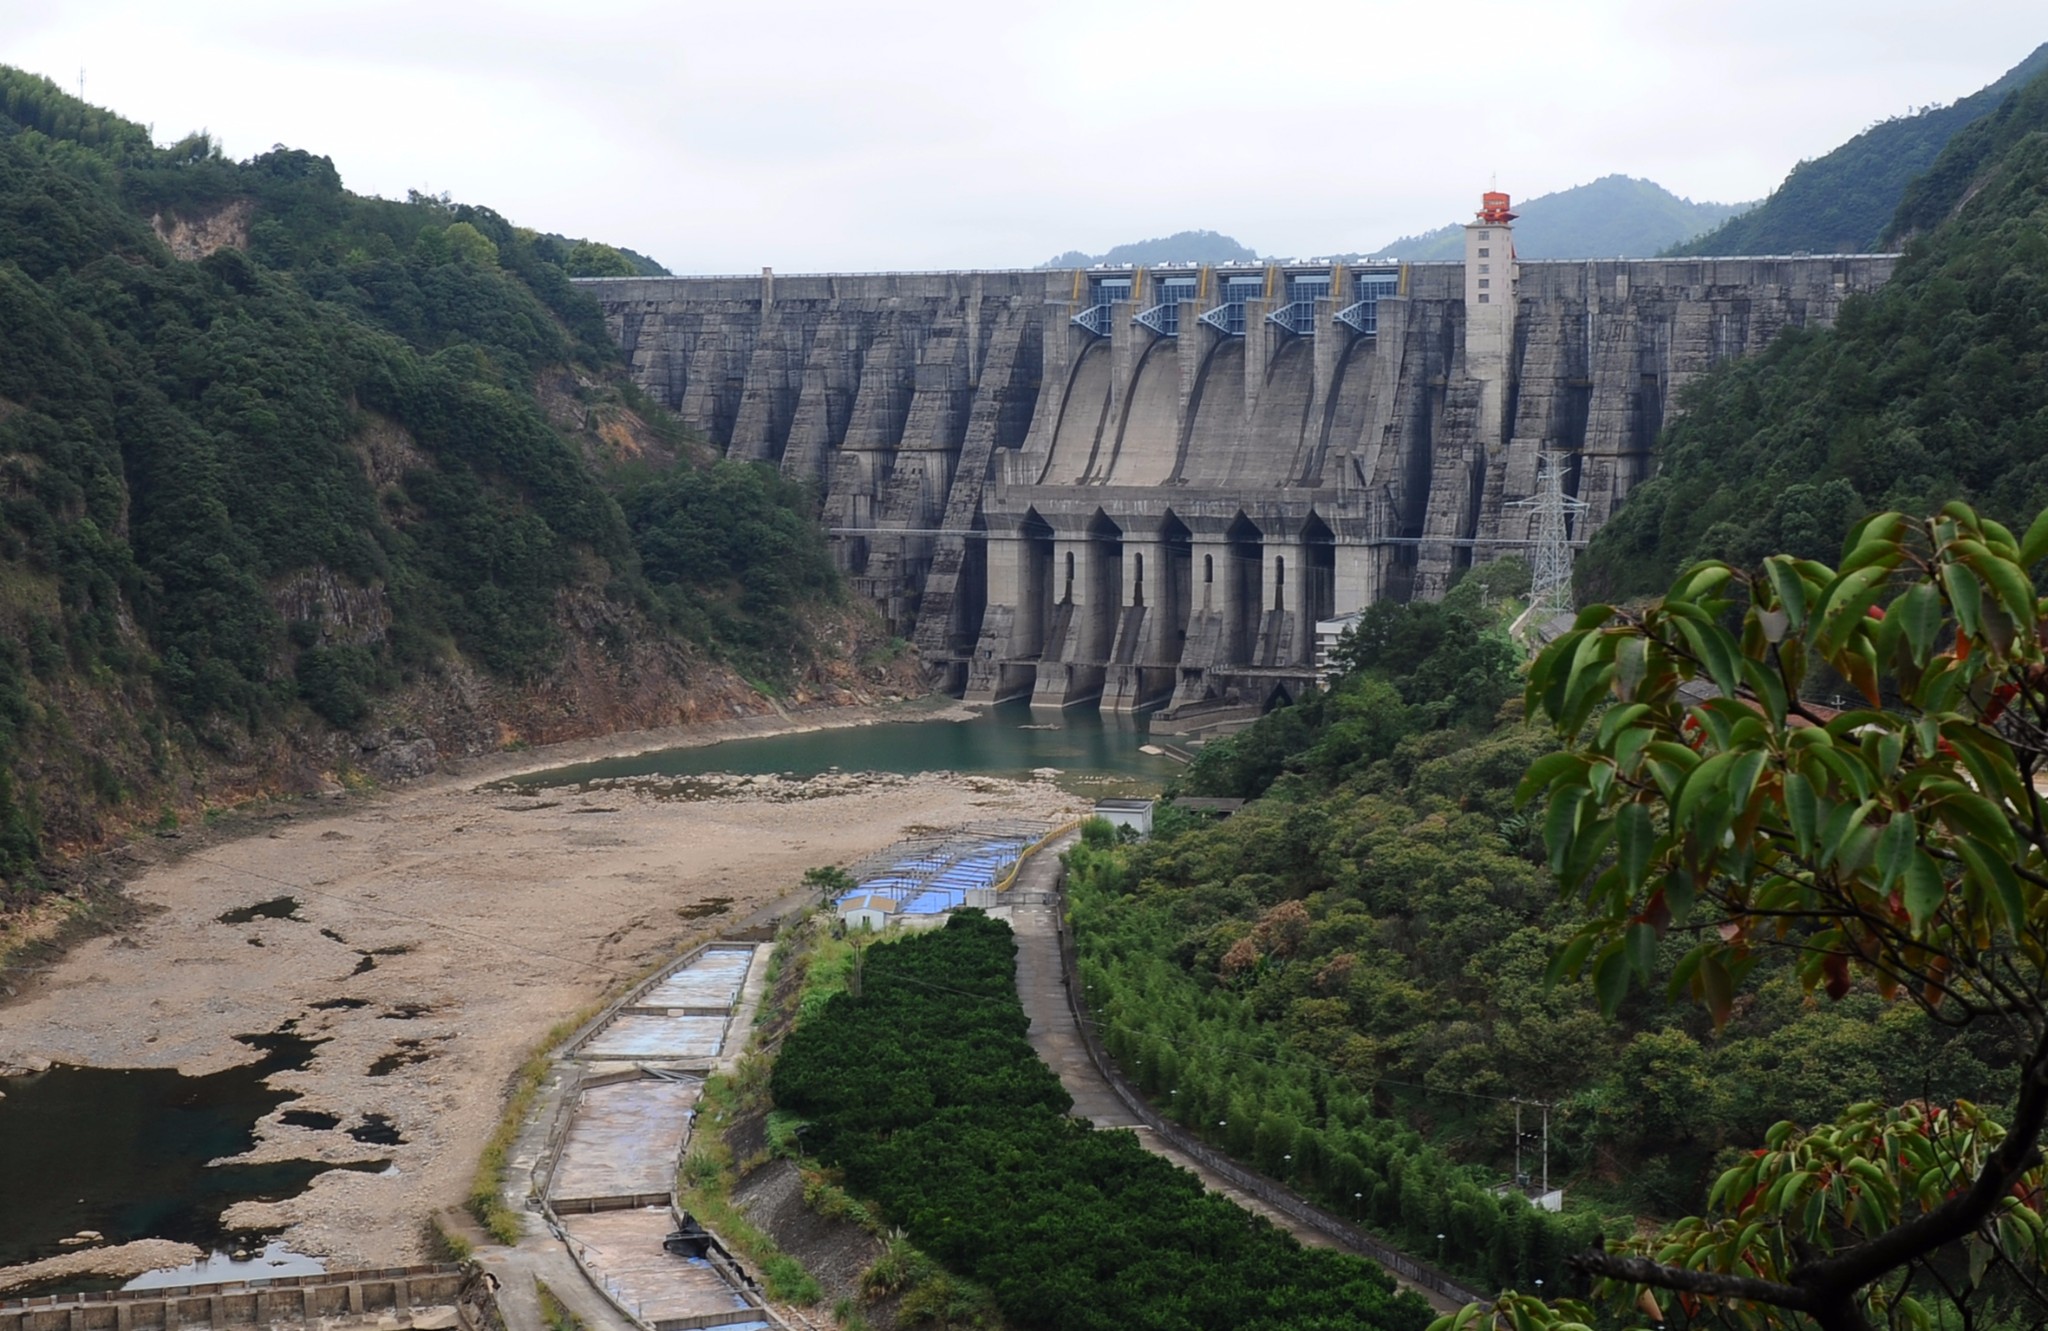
x=921, y=1087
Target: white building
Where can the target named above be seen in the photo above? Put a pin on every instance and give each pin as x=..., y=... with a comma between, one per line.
x=1134, y=814
x=871, y=911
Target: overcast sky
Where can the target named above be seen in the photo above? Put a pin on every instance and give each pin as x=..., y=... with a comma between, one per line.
x=950, y=134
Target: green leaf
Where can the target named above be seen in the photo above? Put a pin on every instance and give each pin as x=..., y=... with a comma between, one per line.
x=1618, y=717
x=1711, y=644
x=1638, y=836
x=1791, y=592
x=1570, y=958
x=2010, y=585
x=1560, y=825
x=1610, y=978
x=1545, y=772
x=1874, y=553
x=1970, y=814
x=1993, y=872
x=1802, y=810
x=1966, y=595
x=1742, y=781
x=1894, y=850
x=1703, y=782
x=1701, y=578
x=1847, y=603
x=1924, y=890
x=1640, y=943
x=1878, y=526
x=1842, y=825
x=2034, y=544
x=1631, y=663
x=1919, y=616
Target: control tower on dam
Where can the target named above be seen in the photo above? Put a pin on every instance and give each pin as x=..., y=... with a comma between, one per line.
x=1147, y=486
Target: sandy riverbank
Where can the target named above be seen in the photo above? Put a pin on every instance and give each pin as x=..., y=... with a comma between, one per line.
x=488, y=917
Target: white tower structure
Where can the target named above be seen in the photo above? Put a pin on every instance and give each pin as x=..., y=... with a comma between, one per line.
x=1550, y=552
x=1490, y=305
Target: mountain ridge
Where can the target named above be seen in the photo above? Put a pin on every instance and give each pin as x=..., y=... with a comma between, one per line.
x=1843, y=201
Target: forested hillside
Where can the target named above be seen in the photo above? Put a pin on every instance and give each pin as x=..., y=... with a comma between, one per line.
x=1376, y=928
x=1930, y=389
x=1614, y=217
x=295, y=482
x=1842, y=202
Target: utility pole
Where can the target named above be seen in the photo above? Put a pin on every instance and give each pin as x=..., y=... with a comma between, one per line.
x=1522, y=1179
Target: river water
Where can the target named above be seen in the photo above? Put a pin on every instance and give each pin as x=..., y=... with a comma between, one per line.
x=1093, y=754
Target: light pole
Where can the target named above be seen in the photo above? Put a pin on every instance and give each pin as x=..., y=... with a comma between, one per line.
x=1439, y=1250
x=1287, y=1169
x=1358, y=1208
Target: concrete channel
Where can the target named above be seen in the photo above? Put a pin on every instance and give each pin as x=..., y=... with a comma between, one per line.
x=600, y=1156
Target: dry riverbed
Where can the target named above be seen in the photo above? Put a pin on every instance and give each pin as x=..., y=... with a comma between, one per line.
x=440, y=931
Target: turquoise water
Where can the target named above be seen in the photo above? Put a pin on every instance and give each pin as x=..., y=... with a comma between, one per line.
x=1097, y=753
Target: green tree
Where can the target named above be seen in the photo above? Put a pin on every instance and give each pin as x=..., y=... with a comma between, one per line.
x=588, y=258
x=1899, y=846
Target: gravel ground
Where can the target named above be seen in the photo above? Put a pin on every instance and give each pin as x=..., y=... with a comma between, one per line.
x=485, y=918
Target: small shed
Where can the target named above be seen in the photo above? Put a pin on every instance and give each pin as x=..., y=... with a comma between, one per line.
x=871, y=910
x=1134, y=814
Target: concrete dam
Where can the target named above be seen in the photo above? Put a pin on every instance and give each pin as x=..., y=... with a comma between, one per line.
x=1148, y=487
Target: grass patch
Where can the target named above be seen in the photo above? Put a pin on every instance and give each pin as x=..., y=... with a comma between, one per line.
x=445, y=1243
x=553, y=1311
x=487, y=1187
x=704, y=1185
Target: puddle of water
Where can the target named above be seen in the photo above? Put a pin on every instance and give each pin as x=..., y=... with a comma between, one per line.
x=309, y=1118
x=127, y=1151
x=219, y=1266
x=377, y=1130
x=407, y=1053
x=368, y=963
x=277, y=908
x=345, y=1004
x=406, y=1012
x=706, y=908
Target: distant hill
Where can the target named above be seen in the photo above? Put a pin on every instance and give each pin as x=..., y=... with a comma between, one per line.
x=1841, y=203
x=1924, y=391
x=1180, y=247
x=1614, y=217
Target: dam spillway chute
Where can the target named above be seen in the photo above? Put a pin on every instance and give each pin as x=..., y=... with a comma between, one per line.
x=1083, y=411
x=1148, y=433
x=1216, y=411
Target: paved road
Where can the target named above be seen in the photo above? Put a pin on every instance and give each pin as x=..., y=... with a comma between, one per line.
x=1058, y=1041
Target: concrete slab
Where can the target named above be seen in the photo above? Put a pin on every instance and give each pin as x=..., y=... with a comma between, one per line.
x=622, y=1251
x=657, y=1035
x=711, y=981
x=624, y=1140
